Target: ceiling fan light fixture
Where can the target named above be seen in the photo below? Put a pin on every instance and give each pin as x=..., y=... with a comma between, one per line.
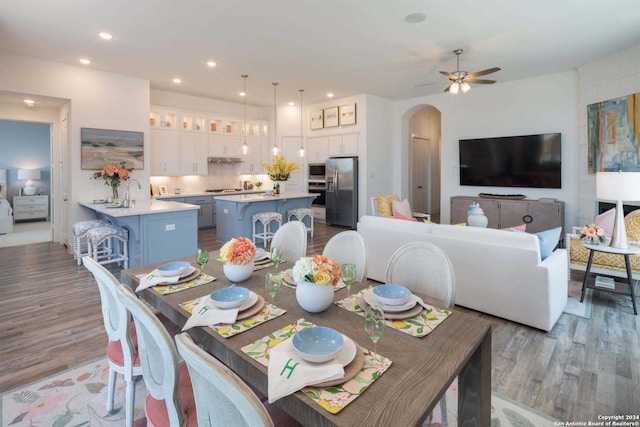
x=465, y=87
x=454, y=88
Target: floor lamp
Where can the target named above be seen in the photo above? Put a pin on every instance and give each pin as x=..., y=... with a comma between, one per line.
x=619, y=187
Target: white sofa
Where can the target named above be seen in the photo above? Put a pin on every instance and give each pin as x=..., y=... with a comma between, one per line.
x=497, y=272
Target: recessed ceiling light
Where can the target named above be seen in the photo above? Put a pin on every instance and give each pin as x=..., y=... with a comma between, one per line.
x=291, y=104
x=105, y=36
x=85, y=61
x=414, y=18
x=243, y=94
x=211, y=64
x=177, y=80
x=29, y=102
x=330, y=95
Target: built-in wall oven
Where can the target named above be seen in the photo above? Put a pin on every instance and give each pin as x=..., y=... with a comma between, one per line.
x=319, y=188
x=316, y=172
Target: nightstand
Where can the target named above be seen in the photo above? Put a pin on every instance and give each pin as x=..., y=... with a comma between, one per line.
x=30, y=207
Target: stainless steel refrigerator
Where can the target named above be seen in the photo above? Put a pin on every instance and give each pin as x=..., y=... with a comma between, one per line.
x=342, y=191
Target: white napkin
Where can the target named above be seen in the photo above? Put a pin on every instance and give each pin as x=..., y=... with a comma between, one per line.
x=288, y=373
x=153, y=278
x=206, y=314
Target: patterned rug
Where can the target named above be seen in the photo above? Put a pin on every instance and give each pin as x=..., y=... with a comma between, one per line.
x=78, y=398
x=574, y=306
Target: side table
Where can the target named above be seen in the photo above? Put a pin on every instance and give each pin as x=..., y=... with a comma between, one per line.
x=618, y=285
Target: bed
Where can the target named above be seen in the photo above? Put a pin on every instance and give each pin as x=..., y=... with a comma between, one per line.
x=6, y=217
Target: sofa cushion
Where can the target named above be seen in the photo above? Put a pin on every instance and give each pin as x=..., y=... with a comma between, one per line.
x=632, y=225
x=384, y=204
x=580, y=255
x=548, y=241
x=606, y=220
x=403, y=208
x=398, y=215
x=521, y=227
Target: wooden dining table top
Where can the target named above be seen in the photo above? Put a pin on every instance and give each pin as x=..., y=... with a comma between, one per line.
x=422, y=368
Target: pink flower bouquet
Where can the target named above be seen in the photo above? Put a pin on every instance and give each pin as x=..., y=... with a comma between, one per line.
x=238, y=251
x=592, y=233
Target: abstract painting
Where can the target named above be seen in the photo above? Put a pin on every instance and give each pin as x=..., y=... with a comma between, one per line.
x=613, y=135
x=102, y=146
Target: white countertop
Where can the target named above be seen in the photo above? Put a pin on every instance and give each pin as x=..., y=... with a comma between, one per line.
x=261, y=197
x=205, y=193
x=141, y=207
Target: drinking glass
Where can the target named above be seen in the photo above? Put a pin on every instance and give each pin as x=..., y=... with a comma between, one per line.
x=348, y=276
x=276, y=257
x=202, y=257
x=374, y=325
x=272, y=283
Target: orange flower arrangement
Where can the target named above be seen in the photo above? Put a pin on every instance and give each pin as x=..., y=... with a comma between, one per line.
x=112, y=175
x=317, y=269
x=238, y=251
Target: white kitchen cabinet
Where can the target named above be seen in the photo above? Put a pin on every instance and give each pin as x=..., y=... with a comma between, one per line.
x=252, y=161
x=165, y=152
x=225, y=146
x=194, y=122
x=343, y=145
x=317, y=150
x=194, y=149
x=163, y=118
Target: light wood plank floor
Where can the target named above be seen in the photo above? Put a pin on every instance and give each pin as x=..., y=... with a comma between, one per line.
x=50, y=320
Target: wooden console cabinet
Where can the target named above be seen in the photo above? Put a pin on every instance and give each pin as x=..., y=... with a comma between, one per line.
x=503, y=213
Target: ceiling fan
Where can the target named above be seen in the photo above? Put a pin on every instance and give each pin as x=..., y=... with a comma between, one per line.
x=460, y=79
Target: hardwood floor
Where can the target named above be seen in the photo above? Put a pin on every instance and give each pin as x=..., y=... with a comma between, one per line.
x=50, y=320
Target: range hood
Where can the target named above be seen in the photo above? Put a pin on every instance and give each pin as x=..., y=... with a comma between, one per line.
x=216, y=159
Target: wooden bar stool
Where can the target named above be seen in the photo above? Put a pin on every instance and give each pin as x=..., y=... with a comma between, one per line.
x=79, y=230
x=265, y=218
x=101, y=242
x=300, y=214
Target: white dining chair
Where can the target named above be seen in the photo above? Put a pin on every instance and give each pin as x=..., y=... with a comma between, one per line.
x=170, y=399
x=348, y=247
x=291, y=239
x=426, y=269
x=122, y=352
x=222, y=398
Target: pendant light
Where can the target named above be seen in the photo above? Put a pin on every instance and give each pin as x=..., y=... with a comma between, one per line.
x=275, y=121
x=301, y=146
x=245, y=147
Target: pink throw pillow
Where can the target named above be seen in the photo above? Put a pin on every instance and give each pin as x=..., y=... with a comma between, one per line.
x=606, y=220
x=398, y=215
x=403, y=208
x=521, y=227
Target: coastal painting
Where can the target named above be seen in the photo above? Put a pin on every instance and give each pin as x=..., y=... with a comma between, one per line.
x=613, y=135
x=103, y=146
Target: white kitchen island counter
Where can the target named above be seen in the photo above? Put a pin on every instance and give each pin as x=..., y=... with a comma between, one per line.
x=158, y=231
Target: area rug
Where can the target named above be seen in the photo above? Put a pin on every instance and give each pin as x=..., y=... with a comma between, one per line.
x=574, y=306
x=78, y=398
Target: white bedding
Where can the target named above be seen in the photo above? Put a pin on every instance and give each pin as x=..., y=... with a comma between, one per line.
x=6, y=217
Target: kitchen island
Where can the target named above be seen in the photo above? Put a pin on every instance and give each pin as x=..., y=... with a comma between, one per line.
x=233, y=213
x=158, y=231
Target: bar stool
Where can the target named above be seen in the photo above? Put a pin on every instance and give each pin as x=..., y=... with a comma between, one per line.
x=265, y=218
x=101, y=244
x=300, y=214
x=79, y=230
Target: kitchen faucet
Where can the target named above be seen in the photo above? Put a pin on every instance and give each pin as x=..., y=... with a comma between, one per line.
x=127, y=194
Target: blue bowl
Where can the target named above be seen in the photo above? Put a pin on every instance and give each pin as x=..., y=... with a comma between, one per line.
x=176, y=268
x=390, y=294
x=317, y=344
x=260, y=253
x=231, y=297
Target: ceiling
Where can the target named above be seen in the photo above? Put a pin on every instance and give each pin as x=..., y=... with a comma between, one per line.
x=347, y=47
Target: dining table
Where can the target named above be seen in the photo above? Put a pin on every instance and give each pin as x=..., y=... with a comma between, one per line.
x=421, y=370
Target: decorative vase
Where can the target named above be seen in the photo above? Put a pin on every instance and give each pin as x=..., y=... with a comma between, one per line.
x=477, y=218
x=278, y=187
x=238, y=272
x=314, y=298
x=114, y=192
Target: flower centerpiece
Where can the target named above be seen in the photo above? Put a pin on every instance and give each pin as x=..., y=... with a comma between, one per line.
x=315, y=277
x=592, y=233
x=279, y=170
x=113, y=175
x=237, y=255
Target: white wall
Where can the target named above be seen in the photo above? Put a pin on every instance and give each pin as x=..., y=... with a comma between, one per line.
x=530, y=106
x=98, y=100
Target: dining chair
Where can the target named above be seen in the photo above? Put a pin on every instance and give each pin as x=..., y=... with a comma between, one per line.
x=348, y=247
x=122, y=351
x=426, y=269
x=291, y=239
x=222, y=398
x=169, y=401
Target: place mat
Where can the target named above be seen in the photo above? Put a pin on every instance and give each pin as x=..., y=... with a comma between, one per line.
x=333, y=398
x=191, y=281
x=268, y=312
x=288, y=281
x=418, y=326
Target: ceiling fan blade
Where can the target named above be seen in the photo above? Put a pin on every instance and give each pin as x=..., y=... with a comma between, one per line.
x=480, y=81
x=447, y=89
x=484, y=72
x=448, y=75
x=429, y=84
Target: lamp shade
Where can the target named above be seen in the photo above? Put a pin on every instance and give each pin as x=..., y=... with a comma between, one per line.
x=26, y=174
x=616, y=186
x=3, y=175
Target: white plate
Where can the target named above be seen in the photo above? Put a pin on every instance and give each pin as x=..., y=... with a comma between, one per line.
x=261, y=255
x=344, y=356
x=249, y=302
x=371, y=299
x=189, y=271
x=286, y=275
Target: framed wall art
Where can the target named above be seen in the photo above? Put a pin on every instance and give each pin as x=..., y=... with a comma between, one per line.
x=613, y=135
x=99, y=147
x=316, y=119
x=348, y=114
x=163, y=190
x=331, y=117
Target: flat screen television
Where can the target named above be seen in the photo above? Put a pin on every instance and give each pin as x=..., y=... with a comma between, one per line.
x=530, y=161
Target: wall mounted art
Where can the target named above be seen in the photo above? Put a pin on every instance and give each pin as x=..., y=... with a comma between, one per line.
x=347, y=114
x=316, y=119
x=613, y=135
x=331, y=117
x=99, y=147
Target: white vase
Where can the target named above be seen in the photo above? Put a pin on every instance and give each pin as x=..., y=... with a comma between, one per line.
x=314, y=298
x=477, y=218
x=238, y=272
x=279, y=187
